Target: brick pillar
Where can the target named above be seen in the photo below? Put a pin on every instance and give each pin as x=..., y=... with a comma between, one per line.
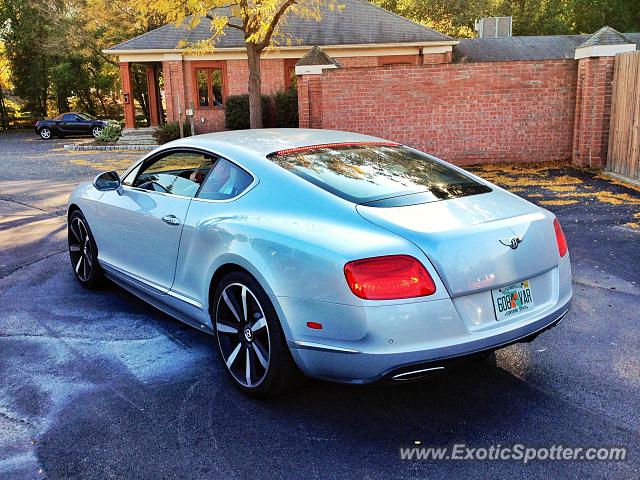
x=152, y=95
x=174, y=80
x=310, y=101
x=315, y=101
x=303, y=101
x=127, y=95
x=593, y=111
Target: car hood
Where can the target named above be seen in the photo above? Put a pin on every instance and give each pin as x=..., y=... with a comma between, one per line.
x=467, y=239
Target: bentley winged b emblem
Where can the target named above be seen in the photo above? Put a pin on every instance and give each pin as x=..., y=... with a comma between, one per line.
x=512, y=242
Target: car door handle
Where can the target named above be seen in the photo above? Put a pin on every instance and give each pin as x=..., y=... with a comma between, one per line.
x=171, y=220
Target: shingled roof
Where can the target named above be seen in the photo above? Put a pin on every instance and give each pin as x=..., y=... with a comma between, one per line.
x=606, y=36
x=359, y=23
x=317, y=56
x=504, y=49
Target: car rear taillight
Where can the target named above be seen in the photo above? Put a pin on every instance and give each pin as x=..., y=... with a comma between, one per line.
x=388, y=278
x=560, y=240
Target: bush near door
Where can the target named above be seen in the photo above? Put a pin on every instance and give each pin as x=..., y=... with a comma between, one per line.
x=170, y=131
x=278, y=110
x=286, y=105
x=236, y=112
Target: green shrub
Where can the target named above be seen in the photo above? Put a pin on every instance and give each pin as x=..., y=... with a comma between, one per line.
x=170, y=131
x=236, y=112
x=286, y=104
x=109, y=134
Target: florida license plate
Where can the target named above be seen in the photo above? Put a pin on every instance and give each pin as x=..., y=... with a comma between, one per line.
x=512, y=300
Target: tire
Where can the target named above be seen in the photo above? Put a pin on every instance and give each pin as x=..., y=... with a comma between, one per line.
x=95, y=131
x=45, y=133
x=83, y=251
x=254, y=352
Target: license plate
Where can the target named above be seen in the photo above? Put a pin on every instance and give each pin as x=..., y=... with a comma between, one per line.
x=512, y=300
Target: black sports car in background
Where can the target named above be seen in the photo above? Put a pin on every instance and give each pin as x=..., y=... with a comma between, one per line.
x=70, y=124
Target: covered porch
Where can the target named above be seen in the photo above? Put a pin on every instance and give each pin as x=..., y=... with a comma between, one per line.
x=150, y=94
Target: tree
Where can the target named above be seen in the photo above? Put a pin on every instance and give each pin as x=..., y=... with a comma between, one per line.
x=54, y=50
x=454, y=17
x=590, y=15
x=25, y=25
x=259, y=21
x=530, y=17
x=102, y=24
x=536, y=17
x=5, y=85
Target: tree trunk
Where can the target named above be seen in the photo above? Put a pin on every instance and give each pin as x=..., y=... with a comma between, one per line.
x=4, y=118
x=255, y=86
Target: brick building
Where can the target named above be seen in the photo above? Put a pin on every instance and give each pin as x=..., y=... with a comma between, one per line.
x=370, y=71
x=359, y=35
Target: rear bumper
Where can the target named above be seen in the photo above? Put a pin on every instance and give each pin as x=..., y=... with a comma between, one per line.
x=351, y=365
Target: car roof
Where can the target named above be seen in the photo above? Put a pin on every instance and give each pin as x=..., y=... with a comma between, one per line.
x=262, y=142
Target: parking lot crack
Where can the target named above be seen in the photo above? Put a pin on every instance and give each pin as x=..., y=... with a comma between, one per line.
x=24, y=204
x=8, y=415
x=2, y=276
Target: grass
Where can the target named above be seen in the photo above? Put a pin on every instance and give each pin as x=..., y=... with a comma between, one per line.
x=118, y=164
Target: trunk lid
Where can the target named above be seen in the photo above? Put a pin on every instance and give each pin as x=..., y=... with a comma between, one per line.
x=468, y=239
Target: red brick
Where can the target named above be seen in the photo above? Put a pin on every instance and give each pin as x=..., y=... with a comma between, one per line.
x=465, y=113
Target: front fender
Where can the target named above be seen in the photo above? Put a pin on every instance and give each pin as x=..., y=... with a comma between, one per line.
x=86, y=198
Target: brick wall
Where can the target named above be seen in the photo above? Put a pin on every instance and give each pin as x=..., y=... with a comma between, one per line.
x=173, y=75
x=272, y=73
x=593, y=111
x=178, y=77
x=437, y=58
x=353, y=62
x=465, y=113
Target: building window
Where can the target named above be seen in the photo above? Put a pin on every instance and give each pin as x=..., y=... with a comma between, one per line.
x=209, y=87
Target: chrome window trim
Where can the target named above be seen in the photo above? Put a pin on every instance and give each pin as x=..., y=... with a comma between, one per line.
x=205, y=151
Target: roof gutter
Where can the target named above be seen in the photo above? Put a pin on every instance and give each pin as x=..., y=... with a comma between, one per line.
x=436, y=43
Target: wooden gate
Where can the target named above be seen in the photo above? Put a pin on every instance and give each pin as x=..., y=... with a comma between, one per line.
x=624, y=133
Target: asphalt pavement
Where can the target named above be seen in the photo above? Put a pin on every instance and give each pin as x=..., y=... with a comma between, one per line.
x=97, y=384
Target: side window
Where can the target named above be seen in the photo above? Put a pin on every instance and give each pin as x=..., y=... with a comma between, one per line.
x=68, y=117
x=178, y=173
x=225, y=181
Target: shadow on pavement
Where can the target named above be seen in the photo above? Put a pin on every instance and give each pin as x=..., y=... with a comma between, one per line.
x=322, y=431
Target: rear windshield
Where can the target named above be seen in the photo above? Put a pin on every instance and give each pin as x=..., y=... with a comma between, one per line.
x=378, y=174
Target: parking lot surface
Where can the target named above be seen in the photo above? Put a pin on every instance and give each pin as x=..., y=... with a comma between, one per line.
x=96, y=384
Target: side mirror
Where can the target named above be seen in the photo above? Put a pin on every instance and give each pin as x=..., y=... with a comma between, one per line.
x=108, y=181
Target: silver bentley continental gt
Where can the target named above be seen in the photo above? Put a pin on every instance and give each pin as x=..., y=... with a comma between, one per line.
x=321, y=253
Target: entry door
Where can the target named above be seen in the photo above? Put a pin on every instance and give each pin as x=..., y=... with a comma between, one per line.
x=141, y=227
